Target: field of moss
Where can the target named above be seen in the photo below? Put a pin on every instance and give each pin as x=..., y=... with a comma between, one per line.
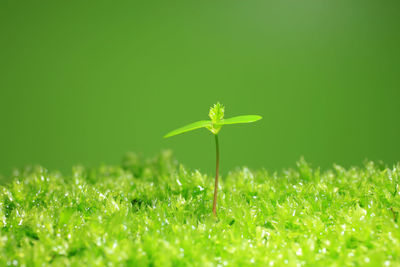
x=156, y=212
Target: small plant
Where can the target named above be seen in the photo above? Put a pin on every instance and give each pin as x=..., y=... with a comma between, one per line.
x=216, y=115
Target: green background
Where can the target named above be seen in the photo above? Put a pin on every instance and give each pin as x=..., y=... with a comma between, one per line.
x=83, y=82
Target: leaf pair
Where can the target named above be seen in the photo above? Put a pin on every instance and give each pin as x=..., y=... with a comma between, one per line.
x=217, y=120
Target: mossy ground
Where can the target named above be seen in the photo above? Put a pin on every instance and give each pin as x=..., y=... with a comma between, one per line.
x=157, y=213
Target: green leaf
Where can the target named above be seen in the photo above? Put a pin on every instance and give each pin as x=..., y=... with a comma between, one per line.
x=189, y=127
x=240, y=119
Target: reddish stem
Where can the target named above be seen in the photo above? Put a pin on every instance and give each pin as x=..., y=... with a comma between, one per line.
x=214, y=210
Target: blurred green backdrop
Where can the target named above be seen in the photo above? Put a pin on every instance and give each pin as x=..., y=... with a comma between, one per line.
x=83, y=82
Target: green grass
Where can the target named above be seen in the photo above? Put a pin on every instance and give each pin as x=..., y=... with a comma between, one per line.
x=155, y=212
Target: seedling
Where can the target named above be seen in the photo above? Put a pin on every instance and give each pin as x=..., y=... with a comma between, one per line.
x=216, y=115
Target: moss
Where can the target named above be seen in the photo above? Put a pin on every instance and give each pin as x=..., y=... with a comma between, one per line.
x=155, y=212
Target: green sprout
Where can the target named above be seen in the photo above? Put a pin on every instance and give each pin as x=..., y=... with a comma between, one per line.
x=216, y=115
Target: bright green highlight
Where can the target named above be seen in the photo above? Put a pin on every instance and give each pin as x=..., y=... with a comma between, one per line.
x=155, y=212
x=216, y=115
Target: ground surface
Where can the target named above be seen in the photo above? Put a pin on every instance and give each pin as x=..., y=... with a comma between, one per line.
x=157, y=213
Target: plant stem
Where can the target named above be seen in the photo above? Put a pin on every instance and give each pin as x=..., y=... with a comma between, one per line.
x=214, y=210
